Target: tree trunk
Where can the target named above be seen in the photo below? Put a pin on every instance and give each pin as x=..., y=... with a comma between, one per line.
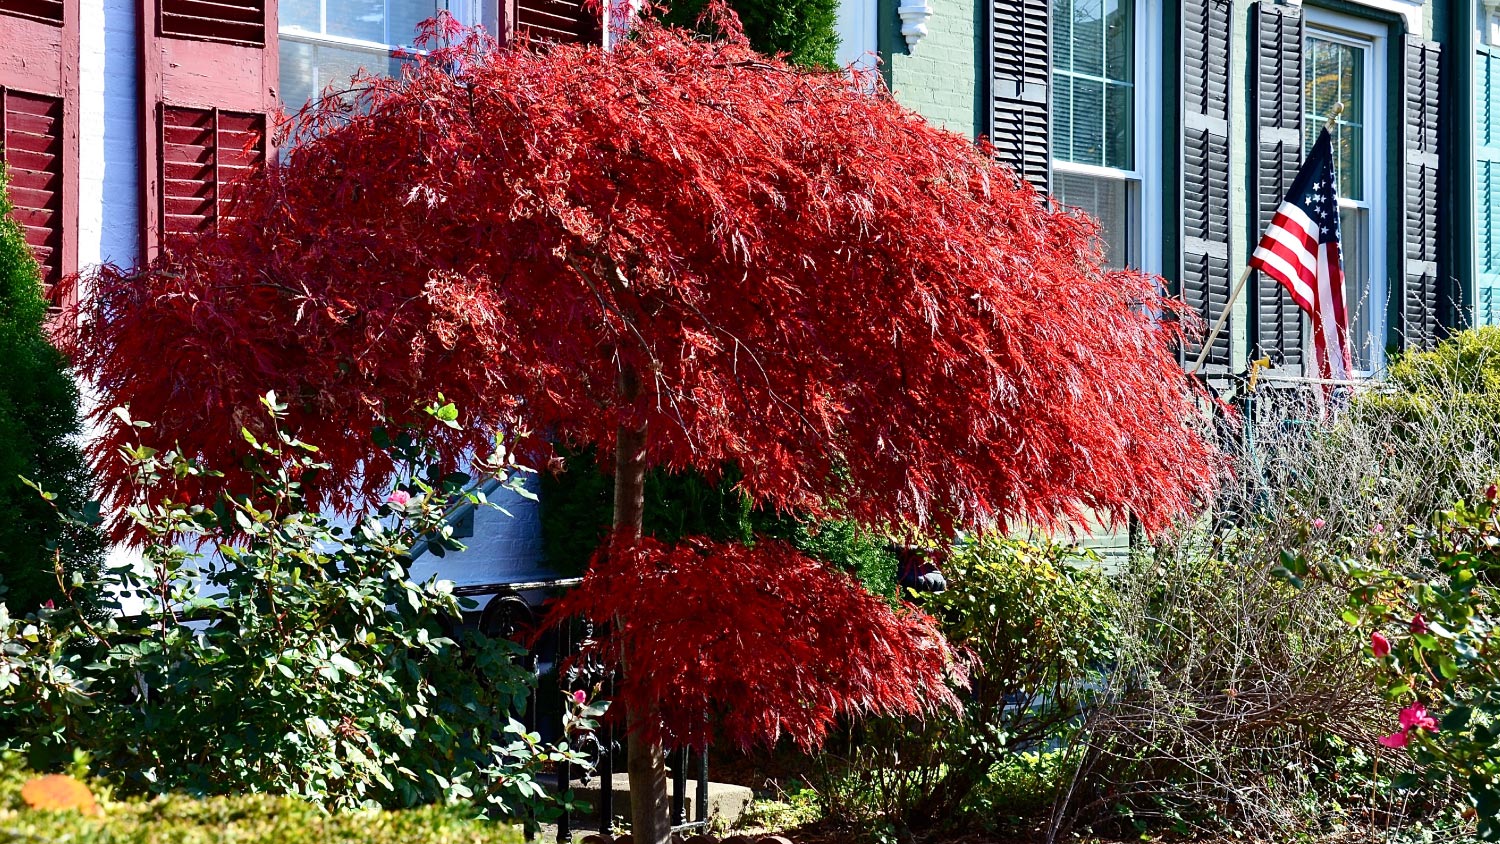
x=650, y=813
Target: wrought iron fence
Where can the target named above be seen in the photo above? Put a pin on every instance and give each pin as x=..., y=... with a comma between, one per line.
x=551, y=659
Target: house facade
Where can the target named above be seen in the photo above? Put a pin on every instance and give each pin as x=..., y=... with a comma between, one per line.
x=1179, y=126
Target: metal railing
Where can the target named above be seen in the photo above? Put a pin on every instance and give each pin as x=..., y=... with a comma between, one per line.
x=556, y=671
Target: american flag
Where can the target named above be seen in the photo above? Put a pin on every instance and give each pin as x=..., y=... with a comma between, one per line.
x=1300, y=249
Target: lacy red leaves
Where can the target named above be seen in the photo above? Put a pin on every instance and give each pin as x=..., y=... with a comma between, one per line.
x=824, y=290
x=750, y=643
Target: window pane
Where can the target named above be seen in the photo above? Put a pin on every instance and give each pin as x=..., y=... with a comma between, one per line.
x=1062, y=34
x=1108, y=201
x=1335, y=73
x=305, y=15
x=1365, y=315
x=1088, y=37
x=362, y=19
x=1088, y=121
x=1062, y=118
x=1120, y=126
x=307, y=69
x=1119, y=46
x=404, y=17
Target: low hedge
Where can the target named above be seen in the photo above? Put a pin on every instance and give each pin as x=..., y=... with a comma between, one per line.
x=246, y=819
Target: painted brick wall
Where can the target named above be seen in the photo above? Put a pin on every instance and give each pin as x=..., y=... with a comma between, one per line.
x=941, y=80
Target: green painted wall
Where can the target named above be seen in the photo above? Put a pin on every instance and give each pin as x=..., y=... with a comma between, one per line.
x=941, y=79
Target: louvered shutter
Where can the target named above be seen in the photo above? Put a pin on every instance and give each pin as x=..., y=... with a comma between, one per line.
x=1206, y=276
x=203, y=153
x=210, y=71
x=1421, y=299
x=39, y=127
x=1277, y=76
x=47, y=11
x=1487, y=175
x=1021, y=74
x=32, y=126
x=235, y=21
x=557, y=20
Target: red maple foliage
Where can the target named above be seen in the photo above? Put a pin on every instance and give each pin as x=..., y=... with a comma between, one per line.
x=808, y=281
x=750, y=643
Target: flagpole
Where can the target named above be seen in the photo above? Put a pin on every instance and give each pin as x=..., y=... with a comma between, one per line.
x=1208, y=342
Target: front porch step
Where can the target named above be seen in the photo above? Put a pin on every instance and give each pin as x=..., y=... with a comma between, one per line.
x=726, y=803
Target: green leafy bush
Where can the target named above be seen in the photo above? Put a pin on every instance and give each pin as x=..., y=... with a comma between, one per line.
x=317, y=667
x=805, y=30
x=39, y=423
x=1033, y=624
x=244, y=819
x=576, y=509
x=1431, y=641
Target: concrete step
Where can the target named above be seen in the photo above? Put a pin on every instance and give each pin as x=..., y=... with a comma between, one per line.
x=726, y=803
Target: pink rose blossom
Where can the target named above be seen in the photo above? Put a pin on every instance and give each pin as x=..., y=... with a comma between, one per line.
x=1380, y=644
x=1491, y=492
x=1396, y=739
x=400, y=498
x=1319, y=523
x=1419, y=624
x=1415, y=717
x=1379, y=528
x=579, y=697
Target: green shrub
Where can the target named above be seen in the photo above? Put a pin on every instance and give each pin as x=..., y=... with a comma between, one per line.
x=320, y=669
x=805, y=30
x=244, y=819
x=576, y=511
x=1033, y=624
x=39, y=424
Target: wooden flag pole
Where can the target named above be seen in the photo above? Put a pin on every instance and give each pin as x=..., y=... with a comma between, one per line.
x=1208, y=342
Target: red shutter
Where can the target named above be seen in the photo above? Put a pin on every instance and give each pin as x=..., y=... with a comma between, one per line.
x=47, y=11
x=32, y=126
x=209, y=80
x=203, y=152
x=551, y=20
x=39, y=127
x=235, y=21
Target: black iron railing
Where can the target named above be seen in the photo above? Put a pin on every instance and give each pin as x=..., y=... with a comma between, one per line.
x=557, y=673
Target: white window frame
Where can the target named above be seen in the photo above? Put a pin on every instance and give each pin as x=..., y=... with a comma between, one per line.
x=1143, y=182
x=1371, y=37
x=467, y=12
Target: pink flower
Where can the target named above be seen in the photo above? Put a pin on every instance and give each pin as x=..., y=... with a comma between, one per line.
x=1319, y=523
x=1491, y=492
x=1419, y=624
x=1415, y=717
x=1379, y=528
x=1396, y=739
x=1380, y=644
x=579, y=697
x=399, y=498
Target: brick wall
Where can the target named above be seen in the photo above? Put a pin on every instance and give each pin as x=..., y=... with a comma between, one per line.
x=941, y=80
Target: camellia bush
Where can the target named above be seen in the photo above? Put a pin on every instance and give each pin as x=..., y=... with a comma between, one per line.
x=279, y=652
x=1433, y=641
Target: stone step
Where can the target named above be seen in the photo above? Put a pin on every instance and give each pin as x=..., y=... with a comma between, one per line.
x=726, y=802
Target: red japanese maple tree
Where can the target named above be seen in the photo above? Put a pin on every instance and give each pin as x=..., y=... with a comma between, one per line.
x=690, y=256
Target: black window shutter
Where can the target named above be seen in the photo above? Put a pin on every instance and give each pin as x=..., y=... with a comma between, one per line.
x=1206, y=277
x=1421, y=298
x=1020, y=64
x=1277, y=73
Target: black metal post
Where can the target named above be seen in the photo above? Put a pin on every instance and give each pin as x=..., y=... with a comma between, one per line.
x=679, y=786
x=701, y=815
x=607, y=781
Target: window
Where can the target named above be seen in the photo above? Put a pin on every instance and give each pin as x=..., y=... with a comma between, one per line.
x=1341, y=64
x=328, y=41
x=1100, y=138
